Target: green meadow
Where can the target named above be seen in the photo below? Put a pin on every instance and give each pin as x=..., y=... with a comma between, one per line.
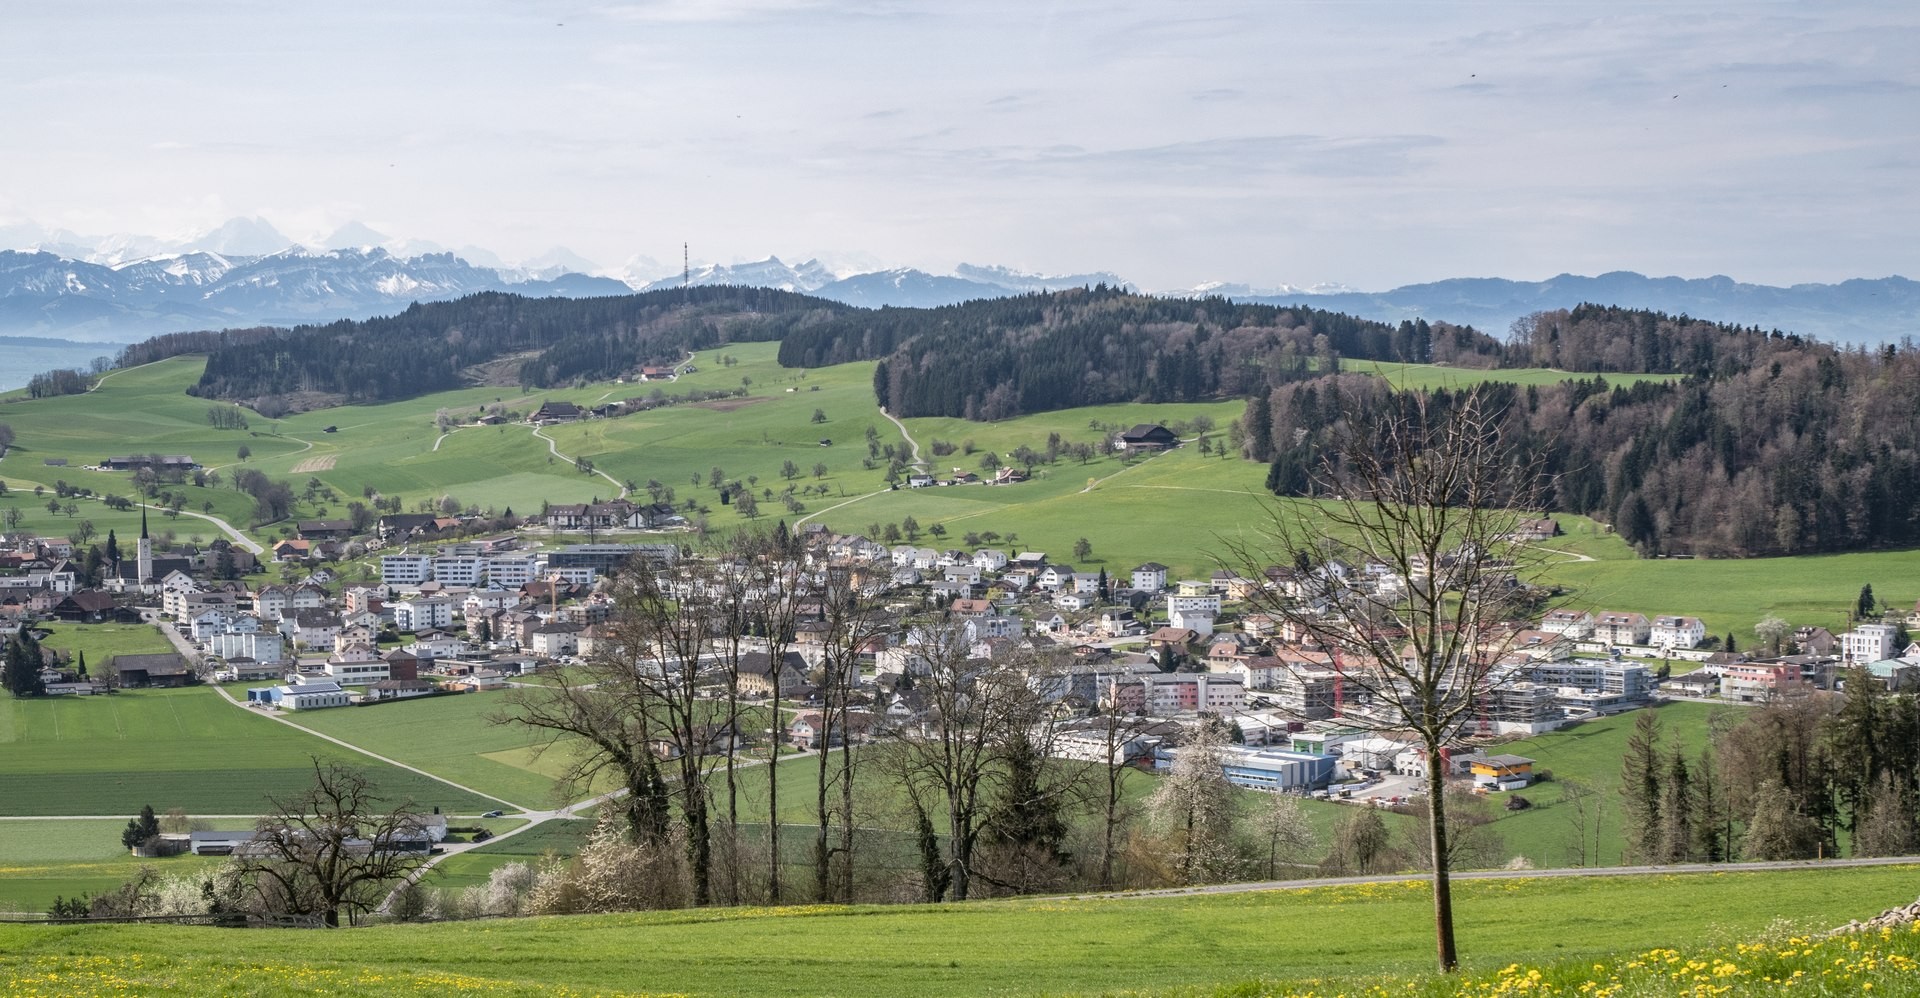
x=1431, y=376
x=451, y=737
x=44, y=859
x=101, y=642
x=1337, y=938
x=186, y=748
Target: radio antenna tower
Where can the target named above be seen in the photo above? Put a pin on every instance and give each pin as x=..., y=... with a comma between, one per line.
x=686, y=273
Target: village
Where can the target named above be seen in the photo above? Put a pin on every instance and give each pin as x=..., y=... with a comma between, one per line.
x=480, y=614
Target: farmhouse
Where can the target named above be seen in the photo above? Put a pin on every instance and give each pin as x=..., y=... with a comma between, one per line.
x=556, y=412
x=152, y=670
x=1146, y=438
x=157, y=462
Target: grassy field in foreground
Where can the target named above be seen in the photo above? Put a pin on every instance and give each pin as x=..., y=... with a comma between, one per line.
x=1029, y=947
x=187, y=748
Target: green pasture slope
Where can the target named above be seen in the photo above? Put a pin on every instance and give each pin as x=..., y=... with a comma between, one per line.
x=1431, y=376
x=186, y=748
x=1160, y=945
x=1589, y=753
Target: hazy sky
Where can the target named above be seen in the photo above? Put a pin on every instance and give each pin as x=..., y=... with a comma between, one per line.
x=1172, y=142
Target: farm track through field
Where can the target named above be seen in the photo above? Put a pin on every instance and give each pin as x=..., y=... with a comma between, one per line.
x=372, y=755
x=104, y=377
x=555, y=450
x=915, y=444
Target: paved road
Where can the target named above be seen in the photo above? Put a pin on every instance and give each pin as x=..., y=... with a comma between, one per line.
x=234, y=535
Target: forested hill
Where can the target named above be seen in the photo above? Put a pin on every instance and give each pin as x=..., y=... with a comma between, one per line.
x=1774, y=445
x=1004, y=357
x=442, y=345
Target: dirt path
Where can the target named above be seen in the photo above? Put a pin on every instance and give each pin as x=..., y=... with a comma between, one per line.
x=555, y=449
x=915, y=444
x=1575, y=555
x=104, y=377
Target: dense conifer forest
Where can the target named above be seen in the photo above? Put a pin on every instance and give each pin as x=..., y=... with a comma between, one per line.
x=1773, y=444
x=437, y=346
x=1007, y=357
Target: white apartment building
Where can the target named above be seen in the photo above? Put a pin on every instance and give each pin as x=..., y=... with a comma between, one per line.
x=1868, y=643
x=420, y=614
x=511, y=571
x=406, y=569
x=1676, y=632
x=459, y=570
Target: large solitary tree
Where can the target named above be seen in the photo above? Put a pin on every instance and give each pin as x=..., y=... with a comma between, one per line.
x=1430, y=494
x=334, y=847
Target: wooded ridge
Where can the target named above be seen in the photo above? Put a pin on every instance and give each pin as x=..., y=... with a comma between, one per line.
x=1772, y=445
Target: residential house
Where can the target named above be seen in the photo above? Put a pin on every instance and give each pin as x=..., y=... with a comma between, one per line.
x=556, y=640
x=757, y=674
x=1502, y=772
x=1868, y=643
x=810, y=728
x=1575, y=624
x=1621, y=628
x=1753, y=682
x=1150, y=577
x=1676, y=632
x=989, y=560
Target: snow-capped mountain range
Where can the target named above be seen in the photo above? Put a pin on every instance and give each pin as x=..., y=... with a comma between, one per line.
x=58, y=284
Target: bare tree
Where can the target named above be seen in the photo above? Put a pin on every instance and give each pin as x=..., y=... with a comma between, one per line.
x=849, y=618
x=1431, y=493
x=948, y=756
x=1586, y=819
x=1283, y=823
x=337, y=846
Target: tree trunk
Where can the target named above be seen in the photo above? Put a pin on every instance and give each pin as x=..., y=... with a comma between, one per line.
x=822, y=852
x=958, y=851
x=773, y=793
x=733, y=791
x=846, y=806
x=1442, y=877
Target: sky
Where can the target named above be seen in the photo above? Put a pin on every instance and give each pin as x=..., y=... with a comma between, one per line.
x=1368, y=143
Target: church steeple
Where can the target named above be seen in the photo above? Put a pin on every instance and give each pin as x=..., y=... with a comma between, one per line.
x=144, y=551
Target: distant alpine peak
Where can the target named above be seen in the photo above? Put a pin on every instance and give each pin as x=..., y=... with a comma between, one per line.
x=1226, y=289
